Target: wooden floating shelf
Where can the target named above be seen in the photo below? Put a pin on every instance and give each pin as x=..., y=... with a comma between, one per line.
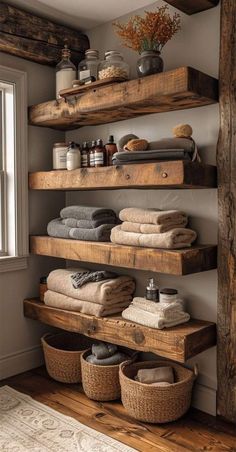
x=175, y=262
x=178, y=89
x=177, y=174
x=193, y=6
x=178, y=343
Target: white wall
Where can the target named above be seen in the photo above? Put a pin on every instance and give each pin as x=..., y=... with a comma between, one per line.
x=196, y=45
x=19, y=337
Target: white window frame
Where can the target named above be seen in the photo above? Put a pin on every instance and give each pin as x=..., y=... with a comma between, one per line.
x=17, y=260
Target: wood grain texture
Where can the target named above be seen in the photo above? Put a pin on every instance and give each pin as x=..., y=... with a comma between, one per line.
x=174, y=262
x=193, y=6
x=226, y=159
x=37, y=39
x=195, y=432
x=176, y=174
x=179, y=343
x=173, y=90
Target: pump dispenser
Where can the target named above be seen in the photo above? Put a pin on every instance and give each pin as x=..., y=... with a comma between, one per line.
x=152, y=292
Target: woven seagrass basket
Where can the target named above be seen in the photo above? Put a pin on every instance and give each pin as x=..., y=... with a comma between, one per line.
x=102, y=383
x=62, y=355
x=156, y=404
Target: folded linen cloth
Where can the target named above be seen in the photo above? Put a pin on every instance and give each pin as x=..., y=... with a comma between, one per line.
x=117, y=358
x=55, y=228
x=137, y=315
x=89, y=224
x=57, y=300
x=102, y=350
x=156, y=375
x=175, y=239
x=100, y=234
x=108, y=292
x=164, y=309
x=129, y=226
x=152, y=216
x=79, y=279
x=86, y=213
x=173, y=143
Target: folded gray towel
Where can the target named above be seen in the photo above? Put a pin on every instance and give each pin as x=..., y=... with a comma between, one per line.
x=117, y=358
x=150, y=156
x=100, y=234
x=86, y=212
x=79, y=279
x=102, y=350
x=55, y=228
x=187, y=144
x=89, y=224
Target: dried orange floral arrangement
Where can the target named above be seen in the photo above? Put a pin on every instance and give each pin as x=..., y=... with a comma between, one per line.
x=151, y=32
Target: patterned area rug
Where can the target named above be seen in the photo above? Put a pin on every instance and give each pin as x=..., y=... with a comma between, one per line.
x=27, y=425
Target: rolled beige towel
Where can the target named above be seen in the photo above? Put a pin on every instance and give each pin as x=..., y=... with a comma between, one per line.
x=153, y=216
x=156, y=375
x=57, y=300
x=175, y=239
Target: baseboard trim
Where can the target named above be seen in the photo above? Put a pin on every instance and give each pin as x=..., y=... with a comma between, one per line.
x=16, y=363
x=204, y=398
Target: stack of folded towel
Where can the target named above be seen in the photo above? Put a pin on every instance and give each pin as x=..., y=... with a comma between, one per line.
x=106, y=355
x=98, y=297
x=158, y=376
x=155, y=315
x=83, y=223
x=153, y=228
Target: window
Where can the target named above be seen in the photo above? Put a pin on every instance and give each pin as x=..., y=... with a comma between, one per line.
x=13, y=170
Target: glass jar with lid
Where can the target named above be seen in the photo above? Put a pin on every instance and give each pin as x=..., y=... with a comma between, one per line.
x=65, y=71
x=89, y=66
x=113, y=66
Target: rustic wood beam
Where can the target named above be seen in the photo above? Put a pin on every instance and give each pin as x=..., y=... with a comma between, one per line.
x=193, y=6
x=226, y=159
x=37, y=39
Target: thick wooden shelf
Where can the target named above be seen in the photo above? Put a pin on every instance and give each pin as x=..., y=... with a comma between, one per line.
x=179, y=343
x=173, y=90
x=175, y=262
x=193, y=6
x=176, y=174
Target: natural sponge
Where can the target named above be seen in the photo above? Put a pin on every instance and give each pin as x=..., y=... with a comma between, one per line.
x=136, y=145
x=182, y=131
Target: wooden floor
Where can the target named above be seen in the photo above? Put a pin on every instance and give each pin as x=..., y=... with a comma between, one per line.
x=195, y=432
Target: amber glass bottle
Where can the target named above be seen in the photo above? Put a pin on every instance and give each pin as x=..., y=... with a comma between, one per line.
x=91, y=154
x=99, y=154
x=85, y=155
x=111, y=149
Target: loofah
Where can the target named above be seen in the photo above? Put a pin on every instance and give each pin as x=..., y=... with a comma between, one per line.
x=182, y=131
x=136, y=145
x=124, y=140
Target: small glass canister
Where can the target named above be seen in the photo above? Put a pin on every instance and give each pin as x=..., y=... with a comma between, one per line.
x=59, y=156
x=89, y=66
x=113, y=66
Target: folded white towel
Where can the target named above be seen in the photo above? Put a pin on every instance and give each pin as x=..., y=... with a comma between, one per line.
x=157, y=308
x=157, y=321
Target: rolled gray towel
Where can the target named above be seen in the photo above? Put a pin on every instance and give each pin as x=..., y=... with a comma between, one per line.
x=102, y=350
x=100, y=234
x=117, y=358
x=86, y=212
x=89, y=224
x=55, y=228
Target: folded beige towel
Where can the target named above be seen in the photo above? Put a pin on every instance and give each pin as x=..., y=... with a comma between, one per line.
x=156, y=375
x=106, y=292
x=57, y=300
x=152, y=216
x=134, y=314
x=175, y=239
x=129, y=226
x=157, y=308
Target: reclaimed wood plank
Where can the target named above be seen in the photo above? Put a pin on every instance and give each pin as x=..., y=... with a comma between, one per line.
x=178, y=343
x=193, y=6
x=173, y=90
x=174, y=262
x=226, y=159
x=37, y=39
x=176, y=174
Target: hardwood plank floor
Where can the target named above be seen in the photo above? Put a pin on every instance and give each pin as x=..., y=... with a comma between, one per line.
x=195, y=432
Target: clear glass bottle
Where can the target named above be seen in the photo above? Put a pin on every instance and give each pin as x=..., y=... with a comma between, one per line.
x=113, y=66
x=65, y=72
x=89, y=66
x=99, y=154
x=91, y=154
